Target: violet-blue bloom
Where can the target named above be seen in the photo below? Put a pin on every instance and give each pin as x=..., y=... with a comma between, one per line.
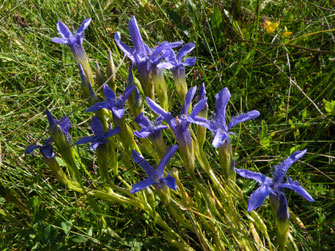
x=74, y=41
x=175, y=63
x=179, y=125
x=218, y=125
x=99, y=138
x=274, y=186
x=141, y=55
x=46, y=149
x=64, y=123
x=155, y=176
x=112, y=103
x=149, y=129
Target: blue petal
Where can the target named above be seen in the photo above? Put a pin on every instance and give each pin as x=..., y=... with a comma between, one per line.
x=295, y=186
x=112, y=132
x=126, y=50
x=257, y=197
x=109, y=93
x=84, y=25
x=142, y=120
x=84, y=140
x=47, y=151
x=59, y=40
x=219, y=138
x=159, y=110
x=65, y=124
x=51, y=120
x=136, y=36
x=188, y=99
x=166, y=65
x=94, y=146
x=97, y=106
x=198, y=107
x=118, y=112
x=32, y=148
x=170, y=182
x=261, y=178
x=96, y=127
x=143, y=133
x=189, y=61
x=244, y=117
x=202, y=92
x=282, y=169
x=63, y=30
x=186, y=49
x=126, y=94
x=168, y=154
x=138, y=158
x=222, y=99
x=200, y=121
x=142, y=185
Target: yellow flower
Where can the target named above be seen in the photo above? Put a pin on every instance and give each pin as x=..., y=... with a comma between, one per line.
x=270, y=27
x=286, y=33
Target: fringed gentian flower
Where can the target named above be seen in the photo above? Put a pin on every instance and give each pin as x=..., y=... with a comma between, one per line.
x=175, y=63
x=274, y=188
x=74, y=41
x=221, y=131
x=112, y=103
x=59, y=130
x=46, y=149
x=149, y=129
x=179, y=125
x=218, y=125
x=99, y=138
x=156, y=176
x=59, y=127
x=142, y=56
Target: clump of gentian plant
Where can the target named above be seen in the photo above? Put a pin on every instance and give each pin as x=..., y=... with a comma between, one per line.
x=193, y=216
x=275, y=189
x=221, y=131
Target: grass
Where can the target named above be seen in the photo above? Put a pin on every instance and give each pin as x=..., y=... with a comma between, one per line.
x=261, y=70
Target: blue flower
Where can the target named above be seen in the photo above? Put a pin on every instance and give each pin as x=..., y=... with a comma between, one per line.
x=99, y=138
x=149, y=129
x=141, y=55
x=112, y=103
x=175, y=63
x=218, y=125
x=274, y=186
x=46, y=149
x=179, y=125
x=74, y=41
x=155, y=176
x=64, y=123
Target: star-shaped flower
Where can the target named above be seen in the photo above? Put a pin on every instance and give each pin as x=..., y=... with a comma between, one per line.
x=141, y=55
x=74, y=41
x=218, y=125
x=64, y=124
x=274, y=186
x=99, y=138
x=46, y=149
x=155, y=176
x=112, y=103
x=179, y=125
x=149, y=129
x=175, y=62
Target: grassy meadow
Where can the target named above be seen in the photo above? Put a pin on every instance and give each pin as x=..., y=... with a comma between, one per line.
x=242, y=45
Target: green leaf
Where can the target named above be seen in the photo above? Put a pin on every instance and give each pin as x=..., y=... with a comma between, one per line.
x=66, y=226
x=329, y=106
